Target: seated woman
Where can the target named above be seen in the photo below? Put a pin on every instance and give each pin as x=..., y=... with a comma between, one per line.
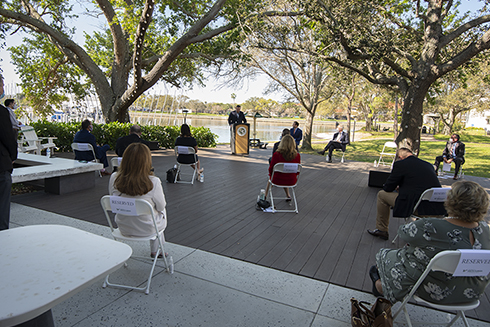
x=135, y=179
x=398, y=269
x=286, y=152
x=186, y=139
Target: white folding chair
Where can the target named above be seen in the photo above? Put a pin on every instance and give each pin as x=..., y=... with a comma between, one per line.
x=34, y=143
x=115, y=162
x=85, y=147
x=446, y=171
x=285, y=168
x=449, y=262
x=342, y=160
x=434, y=194
x=185, y=150
x=384, y=152
x=142, y=207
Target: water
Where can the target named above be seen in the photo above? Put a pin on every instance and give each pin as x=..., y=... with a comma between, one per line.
x=267, y=130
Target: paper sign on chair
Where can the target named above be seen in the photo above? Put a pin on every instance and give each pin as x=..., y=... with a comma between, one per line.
x=290, y=168
x=473, y=263
x=126, y=206
x=446, y=166
x=439, y=194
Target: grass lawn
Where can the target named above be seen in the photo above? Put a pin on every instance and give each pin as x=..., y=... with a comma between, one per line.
x=477, y=150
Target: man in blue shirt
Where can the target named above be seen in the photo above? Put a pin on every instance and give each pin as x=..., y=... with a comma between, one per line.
x=84, y=136
x=296, y=133
x=453, y=152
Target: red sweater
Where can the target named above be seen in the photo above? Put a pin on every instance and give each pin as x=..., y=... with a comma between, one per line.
x=282, y=178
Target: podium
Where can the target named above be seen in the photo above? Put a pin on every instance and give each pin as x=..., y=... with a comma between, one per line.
x=240, y=135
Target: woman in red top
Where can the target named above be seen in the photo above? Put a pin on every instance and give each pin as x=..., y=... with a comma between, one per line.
x=286, y=152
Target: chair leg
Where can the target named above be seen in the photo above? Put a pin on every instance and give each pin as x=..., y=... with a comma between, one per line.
x=177, y=173
x=294, y=198
x=459, y=314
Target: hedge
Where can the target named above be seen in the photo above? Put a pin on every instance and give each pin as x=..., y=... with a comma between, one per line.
x=110, y=132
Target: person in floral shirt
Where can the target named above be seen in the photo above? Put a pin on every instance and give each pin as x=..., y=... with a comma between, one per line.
x=397, y=270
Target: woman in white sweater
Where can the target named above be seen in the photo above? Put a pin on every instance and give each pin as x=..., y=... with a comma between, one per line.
x=134, y=179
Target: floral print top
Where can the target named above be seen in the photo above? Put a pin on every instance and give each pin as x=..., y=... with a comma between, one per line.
x=399, y=269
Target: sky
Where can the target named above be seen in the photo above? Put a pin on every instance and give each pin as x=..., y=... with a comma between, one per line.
x=211, y=93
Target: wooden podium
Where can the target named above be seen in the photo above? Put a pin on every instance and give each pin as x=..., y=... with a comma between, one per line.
x=239, y=138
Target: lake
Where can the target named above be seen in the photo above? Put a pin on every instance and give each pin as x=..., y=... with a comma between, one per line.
x=266, y=129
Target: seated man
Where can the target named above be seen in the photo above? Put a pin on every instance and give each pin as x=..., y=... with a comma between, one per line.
x=454, y=151
x=339, y=141
x=84, y=136
x=134, y=137
x=411, y=176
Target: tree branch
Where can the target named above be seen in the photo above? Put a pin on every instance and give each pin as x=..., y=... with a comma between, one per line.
x=145, y=20
x=446, y=39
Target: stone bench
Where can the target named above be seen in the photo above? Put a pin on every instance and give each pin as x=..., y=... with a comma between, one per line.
x=60, y=175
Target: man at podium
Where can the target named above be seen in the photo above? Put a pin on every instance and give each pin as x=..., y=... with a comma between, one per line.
x=236, y=117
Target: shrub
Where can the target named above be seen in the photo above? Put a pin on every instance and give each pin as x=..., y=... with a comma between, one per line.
x=110, y=132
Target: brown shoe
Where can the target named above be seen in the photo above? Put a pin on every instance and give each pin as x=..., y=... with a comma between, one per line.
x=105, y=173
x=379, y=233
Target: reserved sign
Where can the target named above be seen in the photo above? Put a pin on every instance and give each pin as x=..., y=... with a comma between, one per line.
x=439, y=194
x=473, y=263
x=125, y=206
x=290, y=168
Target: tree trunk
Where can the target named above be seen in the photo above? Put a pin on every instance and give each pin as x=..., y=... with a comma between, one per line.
x=448, y=123
x=308, y=130
x=412, y=118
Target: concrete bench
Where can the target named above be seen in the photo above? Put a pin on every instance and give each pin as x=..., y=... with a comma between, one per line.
x=60, y=175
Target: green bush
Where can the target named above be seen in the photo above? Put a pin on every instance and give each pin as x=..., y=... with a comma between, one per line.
x=110, y=132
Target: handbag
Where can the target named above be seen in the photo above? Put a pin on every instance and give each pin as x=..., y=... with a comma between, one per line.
x=378, y=316
x=171, y=175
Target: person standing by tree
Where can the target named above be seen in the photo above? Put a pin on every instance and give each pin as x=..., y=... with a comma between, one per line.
x=8, y=153
x=296, y=133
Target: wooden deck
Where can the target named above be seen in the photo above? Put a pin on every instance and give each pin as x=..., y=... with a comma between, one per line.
x=327, y=240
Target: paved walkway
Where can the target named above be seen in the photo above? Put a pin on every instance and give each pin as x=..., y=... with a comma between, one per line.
x=206, y=290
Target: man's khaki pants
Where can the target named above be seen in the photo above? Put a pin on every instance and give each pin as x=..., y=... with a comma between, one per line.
x=386, y=200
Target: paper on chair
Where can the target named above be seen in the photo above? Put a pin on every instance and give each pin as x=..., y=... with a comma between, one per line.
x=290, y=168
x=473, y=263
x=446, y=166
x=183, y=150
x=439, y=194
x=125, y=206
x=83, y=147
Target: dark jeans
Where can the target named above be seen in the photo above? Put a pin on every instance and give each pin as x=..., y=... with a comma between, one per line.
x=458, y=161
x=102, y=155
x=5, y=191
x=332, y=145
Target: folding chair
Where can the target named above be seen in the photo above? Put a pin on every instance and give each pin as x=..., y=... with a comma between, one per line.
x=342, y=160
x=435, y=194
x=285, y=168
x=85, y=147
x=185, y=150
x=34, y=143
x=448, y=262
x=115, y=162
x=142, y=207
x=386, y=147
x=444, y=172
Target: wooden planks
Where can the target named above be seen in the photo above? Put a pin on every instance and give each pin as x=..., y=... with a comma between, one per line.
x=327, y=240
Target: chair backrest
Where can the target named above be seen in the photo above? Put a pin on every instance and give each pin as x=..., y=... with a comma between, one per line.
x=179, y=149
x=287, y=168
x=29, y=134
x=126, y=206
x=434, y=194
x=116, y=162
x=83, y=147
x=389, y=144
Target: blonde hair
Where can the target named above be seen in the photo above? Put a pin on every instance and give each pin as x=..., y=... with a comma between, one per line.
x=133, y=173
x=287, y=147
x=467, y=201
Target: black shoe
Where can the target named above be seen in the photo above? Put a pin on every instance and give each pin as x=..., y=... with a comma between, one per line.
x=329, y=159
x=321, y=152
x=374, y=275
x=379, y=233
